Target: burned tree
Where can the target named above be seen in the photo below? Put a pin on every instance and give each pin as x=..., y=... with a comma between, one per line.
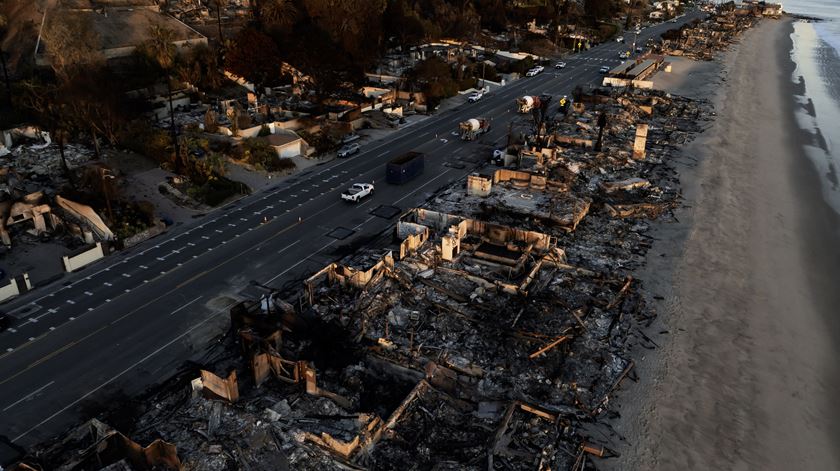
x=602, y=123
x=72, y=45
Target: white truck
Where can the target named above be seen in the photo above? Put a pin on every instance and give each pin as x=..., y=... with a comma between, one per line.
x=476, y=96
x=355, y=193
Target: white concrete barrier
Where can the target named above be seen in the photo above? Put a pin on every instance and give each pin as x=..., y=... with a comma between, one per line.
x=14, y=287
x=89, y=256
x=621, y=82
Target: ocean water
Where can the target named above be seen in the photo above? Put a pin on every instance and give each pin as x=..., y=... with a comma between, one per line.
x=816, y=52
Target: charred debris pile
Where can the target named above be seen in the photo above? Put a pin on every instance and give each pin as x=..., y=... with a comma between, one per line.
x=703, y=39
x=488, y=329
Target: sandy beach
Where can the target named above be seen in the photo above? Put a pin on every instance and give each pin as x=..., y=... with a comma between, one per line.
x=746, y=376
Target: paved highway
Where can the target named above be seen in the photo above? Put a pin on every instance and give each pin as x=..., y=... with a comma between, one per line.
x=122, y=325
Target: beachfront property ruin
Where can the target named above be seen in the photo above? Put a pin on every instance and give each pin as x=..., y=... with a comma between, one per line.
x=489, y=328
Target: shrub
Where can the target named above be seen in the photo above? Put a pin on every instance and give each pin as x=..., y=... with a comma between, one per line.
x=217, y=191
x=467, y=83
x=149, y=141
x=320, y=141
x=522, y=66
x=261, y=155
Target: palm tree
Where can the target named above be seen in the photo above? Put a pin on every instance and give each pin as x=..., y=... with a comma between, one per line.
x=161, y=53
x=281, y=13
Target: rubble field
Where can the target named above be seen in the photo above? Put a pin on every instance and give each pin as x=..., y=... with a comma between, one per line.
x=488, y=329
x=703, y=39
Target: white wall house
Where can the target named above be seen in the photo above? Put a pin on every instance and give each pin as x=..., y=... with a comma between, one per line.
x=287, y=143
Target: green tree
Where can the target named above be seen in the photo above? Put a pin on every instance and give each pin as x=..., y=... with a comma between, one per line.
x=355, y=26
x=256, y=57
x=201, y=68
x=599, y=10
x=493, y=14
x=402, y=23
x=434, y=77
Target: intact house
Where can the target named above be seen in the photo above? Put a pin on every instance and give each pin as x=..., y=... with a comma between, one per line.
x=287, y=143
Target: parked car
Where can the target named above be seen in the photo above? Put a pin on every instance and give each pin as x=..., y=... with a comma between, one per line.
x=348, y=150
x=475, y=97
x=624, y=54
x=5, y=321
x=355, y=193
x=560, y=65
x=619, y=39
x=640, y=49
x=352, y=137
x=604, y=69
x=534, y=71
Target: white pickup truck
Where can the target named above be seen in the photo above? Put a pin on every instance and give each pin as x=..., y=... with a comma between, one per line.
x=355, y=193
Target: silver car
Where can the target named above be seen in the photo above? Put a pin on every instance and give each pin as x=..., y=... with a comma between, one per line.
x=348, y=150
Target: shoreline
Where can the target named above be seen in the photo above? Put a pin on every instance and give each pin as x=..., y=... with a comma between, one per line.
x=738, y=382
x=801, y=17
x=827, y=222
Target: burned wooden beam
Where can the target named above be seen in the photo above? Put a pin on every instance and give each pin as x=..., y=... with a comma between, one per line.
x=621, y=293
x=548, y=347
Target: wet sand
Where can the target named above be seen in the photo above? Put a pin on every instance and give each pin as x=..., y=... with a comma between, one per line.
x=747, y=374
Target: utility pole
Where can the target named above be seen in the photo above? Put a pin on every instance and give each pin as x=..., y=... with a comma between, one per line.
x=174, y=133
x=105, y=174
x=6, y=77
x=602, y=123
x=40, y=31
x=219, y=22
x=635, y=37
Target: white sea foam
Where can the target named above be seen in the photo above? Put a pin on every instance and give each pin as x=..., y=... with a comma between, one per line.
x=828, y=10
x=829, y=32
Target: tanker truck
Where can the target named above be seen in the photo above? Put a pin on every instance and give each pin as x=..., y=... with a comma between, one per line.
x=527, y=103
x=472, y=128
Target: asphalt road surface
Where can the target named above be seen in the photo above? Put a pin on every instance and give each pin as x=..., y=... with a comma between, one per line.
x=117, y=327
